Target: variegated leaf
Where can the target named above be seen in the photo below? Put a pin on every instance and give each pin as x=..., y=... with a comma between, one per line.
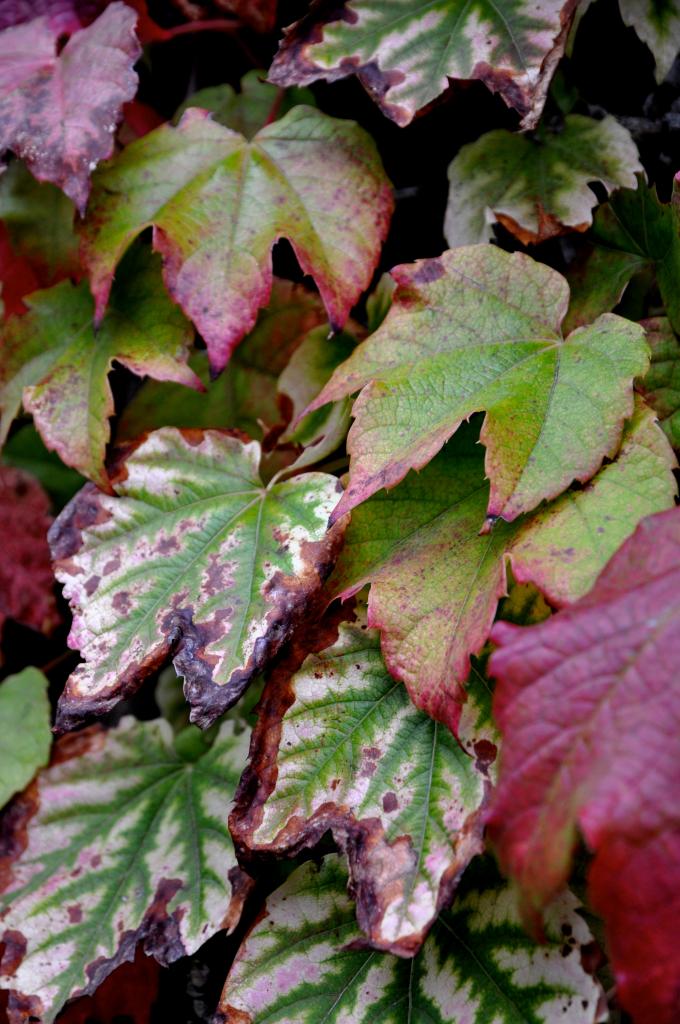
x=340, y=747
x=192, y=558
x=657, y=22
x=406, y=51
x=123, y=839
x=304, y=962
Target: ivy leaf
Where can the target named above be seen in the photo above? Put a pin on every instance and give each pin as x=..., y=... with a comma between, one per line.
x=657, y=23
x=536, y=187
x=244, y=396
x=588, y=705
x=193, y=558
x=218, y=203
x=406, y=52
x=340, y=747
x=58, y=364
x=661, y=384
x=248, y=110
x=435, y=582
x=122, y=840
x=476, y=329
x=26, y=579
x=304, y=962
x=26, y=736
x=631, y=232
x=59, y=110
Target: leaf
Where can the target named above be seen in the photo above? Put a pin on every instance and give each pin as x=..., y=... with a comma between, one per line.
x=39, y=219
x=340, y=747
x=59, y=110
x=405, y=52
x=26, y=451
x=657, y=23
x=244, y=396
x=303, y=962
x=124, y=842
x=248, y=110
x=536, y=187
x=588, y=705
x=26, y=737
x=218, y=203
x=193, y=559
x=435, y=582
x=26, y=579
x=476, y=329
x=58, y=364
x=661, y=384
x=630, y=232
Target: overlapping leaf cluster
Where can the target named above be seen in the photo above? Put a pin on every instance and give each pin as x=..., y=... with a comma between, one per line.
x=362, y=502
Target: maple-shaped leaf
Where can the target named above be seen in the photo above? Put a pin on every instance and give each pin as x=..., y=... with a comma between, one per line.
x=657, y=23
x=405, y=52
x=661, y=384
x=56, y=362
x=193, y=558
x=123, y=839
x=218, y=203
x=588, y=705
x=26, y=737
x=536, y=187
x=59, y=110
x=435, y=582
x=340, y=747
x=305, y=962
x=26, y=580
x=244, y=396
x=632, y=232
x=479, y=328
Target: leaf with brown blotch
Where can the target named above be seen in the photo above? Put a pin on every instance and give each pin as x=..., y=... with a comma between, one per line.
x=589, y=707
x=59, y=110
x=435, y=581
x=192, y=559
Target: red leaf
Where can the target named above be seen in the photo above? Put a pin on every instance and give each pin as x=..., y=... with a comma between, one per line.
x=589, y=705
x=17, y=276
x=59, y=111
x=26, y=578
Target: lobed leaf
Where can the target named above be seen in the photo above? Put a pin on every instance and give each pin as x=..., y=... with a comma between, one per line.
x=476, y=329
x=192, y=558
x=122, y=840
x=657, y=22
x=26, y=580
x=304, y=962
x=405, y=52
x=340, y=747
x=588, y=706
x=435, y=581
x=59, y=110
x=661, y=384
x=218, y=203
x=55, y=361
x=26, y=736
x=536, y=187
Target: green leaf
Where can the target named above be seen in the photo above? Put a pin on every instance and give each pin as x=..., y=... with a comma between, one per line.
x=536, y=187
x=249, y=109
x=126, y=842
x=303, y=962
x=340, y=747
x=58, y=364
x=476, y=329
x=218, y=203
x=657, y=22
x=661, y=385
x=406, y=51
x=25, y=450
x=25, y=736
x=631, y=232
x=435, y=582
x=39, y=218
x=192, y=559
